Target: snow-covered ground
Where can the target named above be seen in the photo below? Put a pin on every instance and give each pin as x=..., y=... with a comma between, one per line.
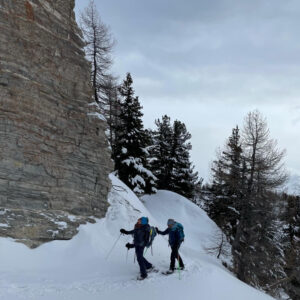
x=81, y=268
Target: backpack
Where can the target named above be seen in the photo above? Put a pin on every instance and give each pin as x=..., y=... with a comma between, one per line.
x=152, y=235
x=179, y=232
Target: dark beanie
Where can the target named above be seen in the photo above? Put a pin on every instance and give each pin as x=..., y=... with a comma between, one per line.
x=171, y=222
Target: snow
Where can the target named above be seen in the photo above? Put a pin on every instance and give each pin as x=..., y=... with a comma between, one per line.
x=62, y=225
x=233, y=209
x=94, y=104
x=88, y=267
x=138, y=179
x=97, y=115
x=72, y=218
x=137, y=164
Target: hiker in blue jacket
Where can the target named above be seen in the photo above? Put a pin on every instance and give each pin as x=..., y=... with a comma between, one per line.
x=176, y=237
x=141, y=234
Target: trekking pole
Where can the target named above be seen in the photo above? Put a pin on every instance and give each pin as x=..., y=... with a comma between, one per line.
x=112, y=248
x=145, y=251
x=127, y=255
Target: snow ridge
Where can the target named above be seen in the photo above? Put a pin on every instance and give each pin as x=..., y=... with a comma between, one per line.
x=88, y=268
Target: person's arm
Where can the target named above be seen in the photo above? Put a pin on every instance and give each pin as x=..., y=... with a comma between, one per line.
x=163, y=232
x=126, y=231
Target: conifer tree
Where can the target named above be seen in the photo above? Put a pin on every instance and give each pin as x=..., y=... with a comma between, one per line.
x=99, y=44
x=227, y=185
x=171, y=157
x=161, y=164
x=265, y=173
x=183, y=178
x=245, y=177
x=111, y=108
x=292, y=246
x=132, y=142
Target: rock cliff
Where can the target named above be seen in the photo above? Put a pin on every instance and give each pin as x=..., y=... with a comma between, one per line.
x=54, y=157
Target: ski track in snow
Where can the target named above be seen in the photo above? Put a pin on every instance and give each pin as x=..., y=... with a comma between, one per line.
x=78, y=269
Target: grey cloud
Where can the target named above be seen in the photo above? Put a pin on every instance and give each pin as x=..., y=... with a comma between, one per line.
x=209, y=62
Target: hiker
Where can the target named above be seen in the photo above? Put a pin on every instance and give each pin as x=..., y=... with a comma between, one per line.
x=176, y=237
x=141, y=233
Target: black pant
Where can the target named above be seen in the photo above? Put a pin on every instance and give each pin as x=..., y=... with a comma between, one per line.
x=143, y=263
x=175, y=255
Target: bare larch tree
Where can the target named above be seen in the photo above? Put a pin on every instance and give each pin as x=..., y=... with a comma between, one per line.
x=99, y=45
x=264, y=172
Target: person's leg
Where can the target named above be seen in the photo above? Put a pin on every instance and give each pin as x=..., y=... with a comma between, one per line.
x=181, y=264
x=147, y=264
x=173, y=257
x=141, y=261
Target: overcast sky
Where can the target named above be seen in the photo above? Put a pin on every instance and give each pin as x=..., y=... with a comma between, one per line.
x=208, y=63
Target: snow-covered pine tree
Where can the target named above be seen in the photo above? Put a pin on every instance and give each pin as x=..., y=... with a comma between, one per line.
x=171, y=157
x=151, y=182
x=183, y=179
x=132, y=142
x=161, y=163
x=227, y=185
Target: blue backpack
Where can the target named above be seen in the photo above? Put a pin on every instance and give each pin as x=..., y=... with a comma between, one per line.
x=179, y=231
x=152, y=235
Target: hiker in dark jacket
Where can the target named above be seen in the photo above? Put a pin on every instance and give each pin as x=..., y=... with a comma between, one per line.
x=175, y=240
x=141, y=234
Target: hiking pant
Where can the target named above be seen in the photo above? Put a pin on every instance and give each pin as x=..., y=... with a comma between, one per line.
x=175, y=255
x=143, y=263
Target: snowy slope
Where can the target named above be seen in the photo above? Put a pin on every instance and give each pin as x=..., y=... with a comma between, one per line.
x=81, y=268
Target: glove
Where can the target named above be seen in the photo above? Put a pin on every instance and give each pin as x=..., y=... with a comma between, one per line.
x=122, y=230
x=157, y=230
x=128, y=246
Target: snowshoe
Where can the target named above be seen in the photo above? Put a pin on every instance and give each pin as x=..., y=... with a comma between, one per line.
x=169, y=272
x=152, y=269
x=140, y=277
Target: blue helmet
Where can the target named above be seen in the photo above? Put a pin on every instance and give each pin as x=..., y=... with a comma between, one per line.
x=144, y=220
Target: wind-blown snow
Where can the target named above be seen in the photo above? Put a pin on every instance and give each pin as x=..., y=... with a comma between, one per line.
x=82, y=269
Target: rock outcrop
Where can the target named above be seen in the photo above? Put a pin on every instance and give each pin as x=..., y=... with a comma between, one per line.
x=54, y=157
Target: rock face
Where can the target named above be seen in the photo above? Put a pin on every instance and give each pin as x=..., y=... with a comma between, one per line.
x=54, y=157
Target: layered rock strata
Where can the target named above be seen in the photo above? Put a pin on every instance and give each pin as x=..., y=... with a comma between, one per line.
x=54, y=157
